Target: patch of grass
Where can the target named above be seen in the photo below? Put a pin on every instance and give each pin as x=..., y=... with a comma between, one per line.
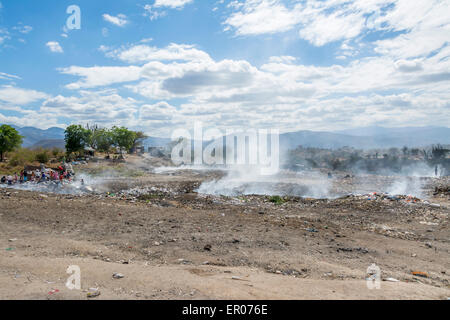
x=7, y=169
x=119, y=170
x=277, y=200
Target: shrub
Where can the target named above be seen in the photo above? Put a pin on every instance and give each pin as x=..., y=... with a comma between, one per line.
x=21, y=157
x=276, y=200
x=42, y=156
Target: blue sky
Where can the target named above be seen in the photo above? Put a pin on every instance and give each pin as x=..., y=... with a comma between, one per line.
x=157, y=65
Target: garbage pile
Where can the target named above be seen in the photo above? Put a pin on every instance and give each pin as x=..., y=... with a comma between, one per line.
x=141, y=193
x=377, y=196
x=442, y=191
x=60, y=179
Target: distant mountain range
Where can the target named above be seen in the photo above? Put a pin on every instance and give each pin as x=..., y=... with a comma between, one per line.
x=34, y=137
x=361, y=138
x=367, y=138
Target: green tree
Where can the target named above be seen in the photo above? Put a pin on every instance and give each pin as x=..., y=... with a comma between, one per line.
x=102, y=140
x=123, y=138
x=76, y=138
x=10, y=139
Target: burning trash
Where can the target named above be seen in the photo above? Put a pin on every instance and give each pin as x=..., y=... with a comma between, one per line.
x=59, y=179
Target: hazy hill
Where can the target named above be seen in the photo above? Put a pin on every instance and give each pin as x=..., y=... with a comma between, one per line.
x=363, y=138
x=366, y=138
x=32, y=136
x=49, y=144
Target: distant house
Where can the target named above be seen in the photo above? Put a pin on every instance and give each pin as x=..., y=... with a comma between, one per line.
x=88, y=151
x=138, y=150
x=158, y=152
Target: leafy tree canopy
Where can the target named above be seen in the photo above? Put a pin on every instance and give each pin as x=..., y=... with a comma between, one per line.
x=76, y=138
x=10, y=139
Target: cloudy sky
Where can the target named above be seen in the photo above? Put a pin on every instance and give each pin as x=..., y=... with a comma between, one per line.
x=158, y=65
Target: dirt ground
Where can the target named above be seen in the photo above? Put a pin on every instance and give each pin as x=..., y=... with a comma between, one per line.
x=184, y=245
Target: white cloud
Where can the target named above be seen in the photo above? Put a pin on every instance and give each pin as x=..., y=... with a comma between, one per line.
x=54, y=46
x=159, y=111
x=282, y=59
x=120, y=20
x=101, y=76
x=262, y=17
x=144, y=53
x=4, y=35
x=156, y=10
x=23, y=29
x=409, y=65
x=281, y=93
x=174, y=4
x=19, y=96
x=152, y=13
x=30, y=118
x=103, y=107
x=6, y=76
x=424, y=24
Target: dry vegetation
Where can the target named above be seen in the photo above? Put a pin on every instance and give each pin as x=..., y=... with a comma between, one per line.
x=16, y=160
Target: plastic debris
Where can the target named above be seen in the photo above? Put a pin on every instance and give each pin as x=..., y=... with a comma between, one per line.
x=118, y=276
x=420, y=274
x=391, y=280
x=93, y=293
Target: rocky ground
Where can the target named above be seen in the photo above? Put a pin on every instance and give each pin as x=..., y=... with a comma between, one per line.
x=169, y=242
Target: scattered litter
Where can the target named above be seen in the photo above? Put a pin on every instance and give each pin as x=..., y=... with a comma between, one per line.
x=391, y=280
x=12, y=240
x=53, y=291
x=9, y=249
x=238, y=278
x=429, y=223
x=208, y=247
x=420, y=274
x=118, y=276
x=93, y=292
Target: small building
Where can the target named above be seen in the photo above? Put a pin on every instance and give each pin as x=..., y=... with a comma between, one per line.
x=158, y=152
x=88, y=151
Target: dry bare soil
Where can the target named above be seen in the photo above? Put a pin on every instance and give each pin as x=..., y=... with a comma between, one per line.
x=189, y=246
